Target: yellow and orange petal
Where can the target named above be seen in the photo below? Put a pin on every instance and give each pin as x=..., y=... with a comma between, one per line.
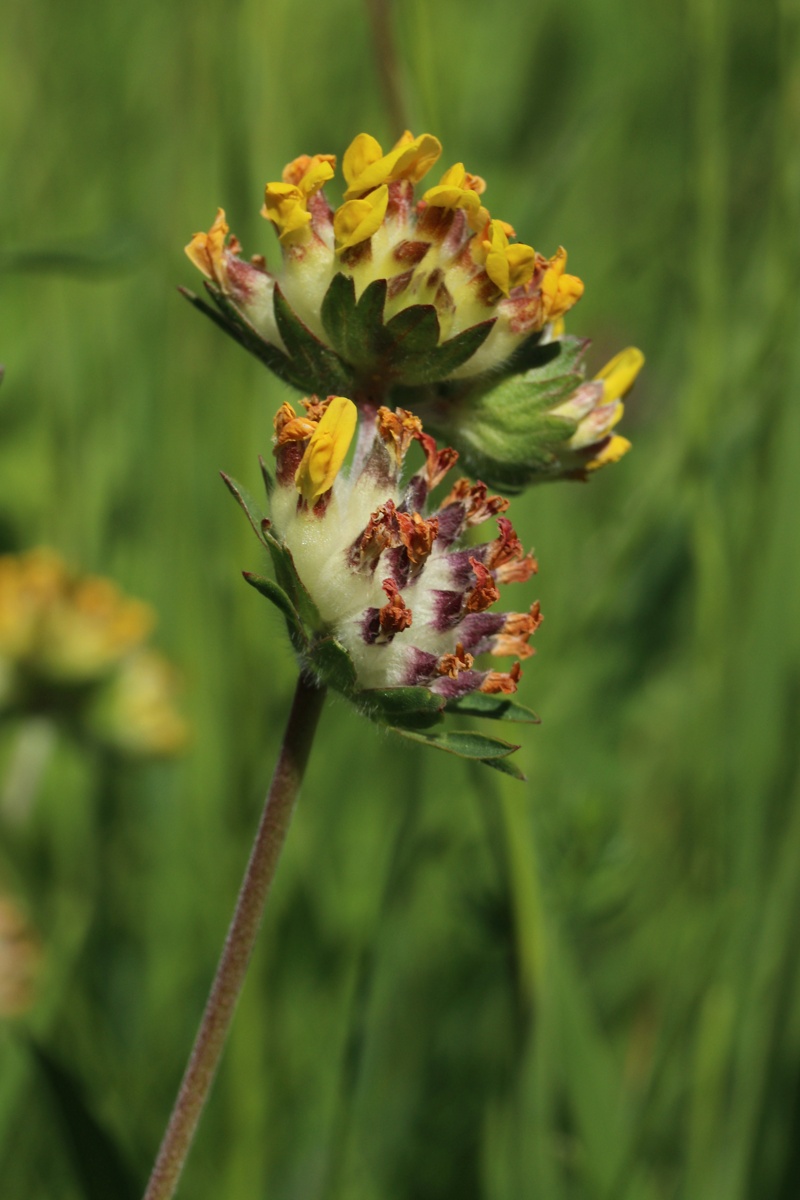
x=310, y=172
x=205, y=250
x=559, y=290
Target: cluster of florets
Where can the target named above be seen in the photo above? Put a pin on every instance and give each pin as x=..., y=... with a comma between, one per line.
x=423, y=299
x=73, y=648
x=388, y=570
x=442, y=250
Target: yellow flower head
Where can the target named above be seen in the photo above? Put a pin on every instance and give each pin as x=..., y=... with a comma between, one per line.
x=357, y=220
x=327, y=449
x=365, y=166
x=74, y=637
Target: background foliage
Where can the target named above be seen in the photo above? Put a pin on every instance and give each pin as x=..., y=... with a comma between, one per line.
x=585, y=987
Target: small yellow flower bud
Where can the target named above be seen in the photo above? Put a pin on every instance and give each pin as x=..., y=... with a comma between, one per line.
x=285, y=206
x=327, y=449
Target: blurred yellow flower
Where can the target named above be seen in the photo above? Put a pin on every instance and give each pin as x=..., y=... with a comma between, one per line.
x=65, y=639
x=20, y=959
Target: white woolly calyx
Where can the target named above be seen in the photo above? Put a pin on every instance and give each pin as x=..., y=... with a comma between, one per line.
x=391, y=582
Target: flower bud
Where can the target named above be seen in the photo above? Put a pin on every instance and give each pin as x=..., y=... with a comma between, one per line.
x=547, y=423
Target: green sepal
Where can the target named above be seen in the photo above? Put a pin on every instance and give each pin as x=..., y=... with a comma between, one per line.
x=269, y=482
x=507, y=767
x=329, y=660
x=406, y=348
x=272, y=592
x=356, y=328
x=530, y=355
x=396, y=704
x=291, y=583
x=494, y=708
x=463, y=743
x=450, y=355
x=506, y=433
x=248, y=505
x=316, y=367
x=232, y=322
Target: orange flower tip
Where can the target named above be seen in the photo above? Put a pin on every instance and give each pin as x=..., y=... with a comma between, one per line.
x=502, y=682
x=452, y=665
x=395, y=616
x=205, y=249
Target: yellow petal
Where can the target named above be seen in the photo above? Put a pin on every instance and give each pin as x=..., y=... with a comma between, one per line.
x=613, y=452
x=310, y=171
x=285, y=206
x=521, y=263
x=366, y=167
x=357, y=220
x=327, y=449
x=619, y=374
x=360, y=154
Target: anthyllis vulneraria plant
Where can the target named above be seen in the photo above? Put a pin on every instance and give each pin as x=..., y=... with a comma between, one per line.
x=402, y=317
x=422, y=301
x=383, y=599
x=73, y=650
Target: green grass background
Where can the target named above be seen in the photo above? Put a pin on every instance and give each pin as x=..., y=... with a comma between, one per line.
x=582, y=988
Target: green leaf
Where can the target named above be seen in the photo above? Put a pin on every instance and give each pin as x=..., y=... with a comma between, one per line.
x=97, y=1160
x=277, y=596
x=464, y=743
x=506, y=766
x=494, y=708
x=331, y=662
x=318, y=368
x=246, y=502
x=232, y=322
x=390, y=704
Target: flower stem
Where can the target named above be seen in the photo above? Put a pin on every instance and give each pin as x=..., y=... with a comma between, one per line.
x=388, y=63
x=239, y=943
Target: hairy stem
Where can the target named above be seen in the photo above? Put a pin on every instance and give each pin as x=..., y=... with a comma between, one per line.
x=239, y=943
